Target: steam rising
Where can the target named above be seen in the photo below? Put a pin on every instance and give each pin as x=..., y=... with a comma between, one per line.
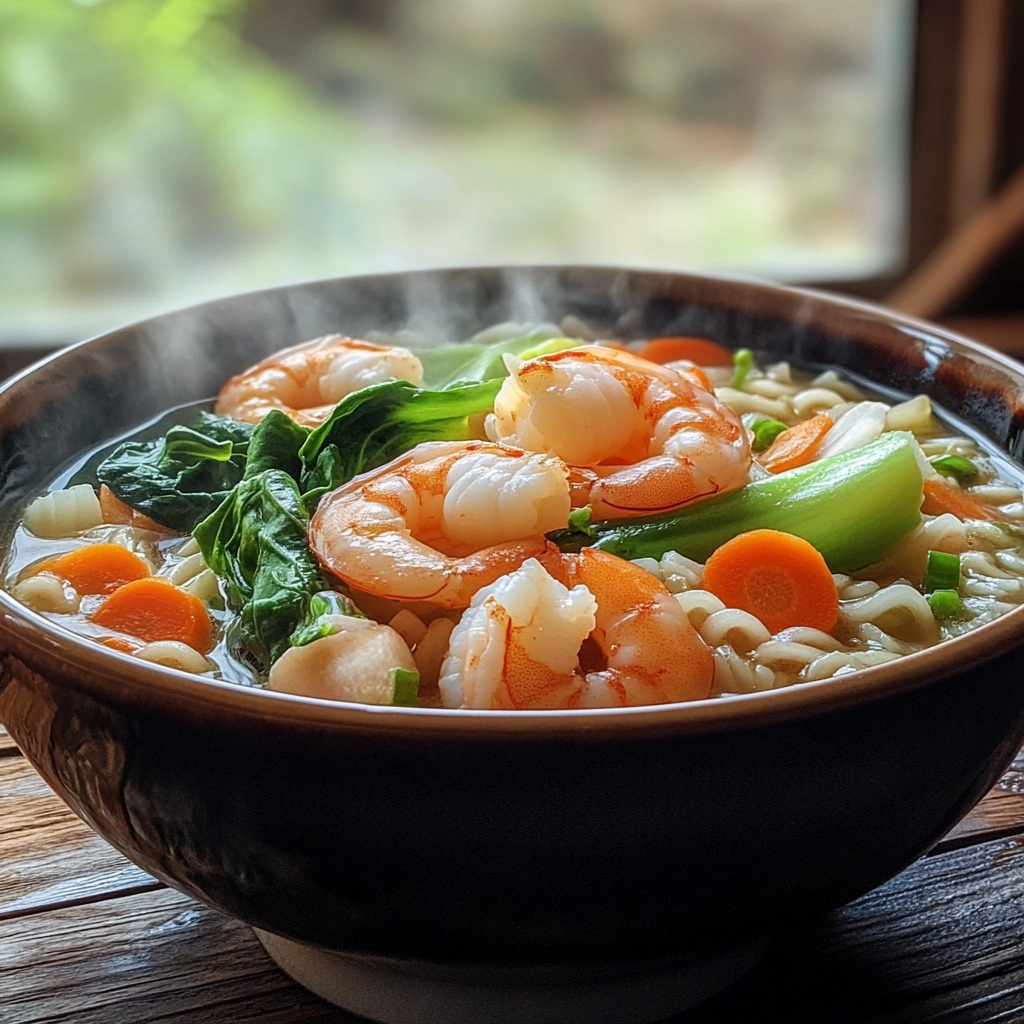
x=131, y=374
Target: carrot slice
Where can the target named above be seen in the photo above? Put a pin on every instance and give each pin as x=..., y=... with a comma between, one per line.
x=114, y=510
x=796, y=446
x=941, y=497
x=97, y=568
x=119, y=643
x=781, y=579
x=702, y=351
x=155, y=609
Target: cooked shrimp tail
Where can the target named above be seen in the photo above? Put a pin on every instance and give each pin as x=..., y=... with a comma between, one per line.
x=639, y=438
x=595, y=631
x=307, y=381
x=441, y=521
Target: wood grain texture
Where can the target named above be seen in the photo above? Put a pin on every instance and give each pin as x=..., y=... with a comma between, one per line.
x=999, y=814
x=936, y=944
x=7, y=745
x=941, y=942
x=48, y=857
x=155, y=956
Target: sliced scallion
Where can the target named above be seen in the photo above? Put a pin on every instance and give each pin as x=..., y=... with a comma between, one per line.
x=743, y=361
x=764, y=431
x=945, y=604
x=579, y=520
x=962, y=470
x=942, y=572
x=405, y=683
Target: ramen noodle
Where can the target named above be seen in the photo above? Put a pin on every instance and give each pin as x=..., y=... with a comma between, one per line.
x=540, y=520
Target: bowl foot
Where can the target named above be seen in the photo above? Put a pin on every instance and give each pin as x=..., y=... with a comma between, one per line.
x=396, y=991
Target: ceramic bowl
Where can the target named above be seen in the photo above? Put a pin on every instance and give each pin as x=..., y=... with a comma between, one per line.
x=425, y=865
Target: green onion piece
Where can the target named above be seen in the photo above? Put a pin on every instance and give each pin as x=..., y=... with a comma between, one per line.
x=956, y=466
x=946, y=604
x=765, y=430
x=579, y=521
x=743, y=361
x=405, y=683
x=943, y=572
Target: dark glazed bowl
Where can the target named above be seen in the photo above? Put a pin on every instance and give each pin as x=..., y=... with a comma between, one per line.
x=389, y=856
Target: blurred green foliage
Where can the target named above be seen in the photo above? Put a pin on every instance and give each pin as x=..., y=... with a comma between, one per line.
x=135, y=132
x=158, y=151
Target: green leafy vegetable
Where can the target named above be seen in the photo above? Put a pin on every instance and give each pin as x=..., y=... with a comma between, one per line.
x=371, y=427
x=446, y=364
x=275, y=444
x=964, y=471
x=943, y=572
x=256, y=542
x=852, y=507
x=180, y=478
x=324, y=609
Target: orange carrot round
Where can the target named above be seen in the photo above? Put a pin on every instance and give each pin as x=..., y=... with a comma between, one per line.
x=702, y=351
x=97, y=568
x=154, y=609
x=941, y=497
x=781, y=579
x=796, y=446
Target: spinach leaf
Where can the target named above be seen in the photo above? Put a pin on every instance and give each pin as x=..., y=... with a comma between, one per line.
x=275, y=444
x=256, y=542
x=370, y=427
x=180, y=478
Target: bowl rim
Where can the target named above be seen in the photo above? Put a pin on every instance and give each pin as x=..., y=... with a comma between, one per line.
x=137, y=680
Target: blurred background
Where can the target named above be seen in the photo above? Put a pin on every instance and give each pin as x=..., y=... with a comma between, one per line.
x=155, y=153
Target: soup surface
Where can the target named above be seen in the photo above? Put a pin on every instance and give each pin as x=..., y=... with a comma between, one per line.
x=531, y=519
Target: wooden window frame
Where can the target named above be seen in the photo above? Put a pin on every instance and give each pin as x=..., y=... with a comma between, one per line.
x=962, y=148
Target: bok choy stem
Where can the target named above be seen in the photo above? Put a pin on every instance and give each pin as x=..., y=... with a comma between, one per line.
x=852, y=507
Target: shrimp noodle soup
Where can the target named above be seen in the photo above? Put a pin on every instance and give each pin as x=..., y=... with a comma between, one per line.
x=534, y=518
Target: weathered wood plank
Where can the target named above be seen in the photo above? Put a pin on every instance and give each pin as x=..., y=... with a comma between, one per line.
x=940, y=942
x=48, y=857
x=156, y=956
x=7, y=744
x=1000, y=813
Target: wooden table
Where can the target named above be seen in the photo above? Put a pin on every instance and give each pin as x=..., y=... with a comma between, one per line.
x=88, y=938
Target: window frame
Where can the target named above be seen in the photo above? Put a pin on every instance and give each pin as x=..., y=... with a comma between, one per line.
x=960, y=138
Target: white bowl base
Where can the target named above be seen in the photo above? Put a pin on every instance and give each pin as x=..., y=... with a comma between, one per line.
x=394, y=991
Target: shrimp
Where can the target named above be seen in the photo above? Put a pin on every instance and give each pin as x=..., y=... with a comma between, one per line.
x=440, y=521
x=638, y=437
x=595, y=632
x=307, y=381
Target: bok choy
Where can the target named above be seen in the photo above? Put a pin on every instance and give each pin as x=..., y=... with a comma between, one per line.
x=180, y=478
x=852, y=507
